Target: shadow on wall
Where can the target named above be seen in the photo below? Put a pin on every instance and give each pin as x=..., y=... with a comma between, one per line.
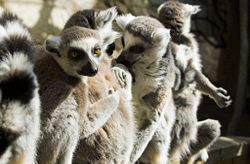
x=45, y=14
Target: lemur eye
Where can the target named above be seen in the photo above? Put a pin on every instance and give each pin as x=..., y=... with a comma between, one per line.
x=74, y=55
x=97, y=51
x=137, y=49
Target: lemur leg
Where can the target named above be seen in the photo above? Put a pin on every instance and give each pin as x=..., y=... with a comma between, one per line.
x=157, y=103
x=218, y=94
x=66, y=155
x=208, y=132
x=99, y=113
x=124, y=78
x=158, y=148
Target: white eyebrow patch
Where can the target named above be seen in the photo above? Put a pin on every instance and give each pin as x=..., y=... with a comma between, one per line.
x=85, y=43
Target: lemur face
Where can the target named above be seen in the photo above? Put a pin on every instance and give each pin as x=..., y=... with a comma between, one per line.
x=176, y=15
x=144, y=38
x=78, y=50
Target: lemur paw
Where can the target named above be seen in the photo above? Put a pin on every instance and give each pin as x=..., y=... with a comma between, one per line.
x=221, y=98
x=122, y=75
x=204, y=155
x=114, y=93
x=111, y=91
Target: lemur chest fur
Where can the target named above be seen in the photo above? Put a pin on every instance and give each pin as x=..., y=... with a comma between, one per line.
x=59, y=93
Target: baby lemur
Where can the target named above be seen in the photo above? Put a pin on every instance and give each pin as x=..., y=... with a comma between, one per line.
x=148, y=57
x=189, y=137
x=19, y=99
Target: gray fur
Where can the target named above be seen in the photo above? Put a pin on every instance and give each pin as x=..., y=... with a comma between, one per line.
x=112, y=143
x=189, y=137
x=153, y=77
x=67, y=112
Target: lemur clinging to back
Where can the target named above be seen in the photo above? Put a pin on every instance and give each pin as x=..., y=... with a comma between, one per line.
x=19, y=99
x=147, y=54
x=189, y=137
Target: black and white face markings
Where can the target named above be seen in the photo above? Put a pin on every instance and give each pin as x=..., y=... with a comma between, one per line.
x=95, y=19
x=131, y=55
x=78, y=50
x=77, y=55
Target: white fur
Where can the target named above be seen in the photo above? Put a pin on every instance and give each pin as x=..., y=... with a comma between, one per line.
x=15, y=28
x=123, y=21
x=3, y=33
x=24, y=119
x=161, y=35
x=107, y=16
x=157, y=134
x=16, y=62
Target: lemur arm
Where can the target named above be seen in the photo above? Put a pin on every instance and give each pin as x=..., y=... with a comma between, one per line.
x=219, y=95
x=157, y=103
x=99, y=113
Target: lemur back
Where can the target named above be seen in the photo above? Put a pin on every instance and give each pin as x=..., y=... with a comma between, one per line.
x=19, y=100
x=189, y=137
x=113, y=142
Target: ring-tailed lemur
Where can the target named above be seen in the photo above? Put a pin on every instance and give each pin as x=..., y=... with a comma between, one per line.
x=63, y=68
x=102, y=19
x=19, y=99
x=189, y=137
x=148, y=57
x=114, y=141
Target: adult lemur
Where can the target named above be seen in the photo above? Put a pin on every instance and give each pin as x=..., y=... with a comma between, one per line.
x=148, y=57
x=189, y=137
x=19, y=99
x=76, y=107
x=113, y=142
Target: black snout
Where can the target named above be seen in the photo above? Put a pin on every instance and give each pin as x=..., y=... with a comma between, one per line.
x=90, y=69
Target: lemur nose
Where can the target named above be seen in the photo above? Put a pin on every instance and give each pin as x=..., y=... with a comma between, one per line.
x=92, y=69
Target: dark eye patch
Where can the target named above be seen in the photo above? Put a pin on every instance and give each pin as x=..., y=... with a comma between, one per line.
x=137, y=49
x=76, y=54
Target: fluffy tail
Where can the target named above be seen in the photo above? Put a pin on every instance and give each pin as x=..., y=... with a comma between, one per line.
x=18, y=84
x=17, y=80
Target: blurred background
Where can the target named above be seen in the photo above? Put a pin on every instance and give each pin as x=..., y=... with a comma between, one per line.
x=222, y=28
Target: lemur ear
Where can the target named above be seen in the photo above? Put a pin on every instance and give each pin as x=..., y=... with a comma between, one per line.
x=124, y=20
x=106, y=17
x=161, y=35
x=192, y=9
x=52, y=44
x=108, y=38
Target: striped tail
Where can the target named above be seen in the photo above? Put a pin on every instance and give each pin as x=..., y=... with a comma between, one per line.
x=17, y=80
x=19, y=99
